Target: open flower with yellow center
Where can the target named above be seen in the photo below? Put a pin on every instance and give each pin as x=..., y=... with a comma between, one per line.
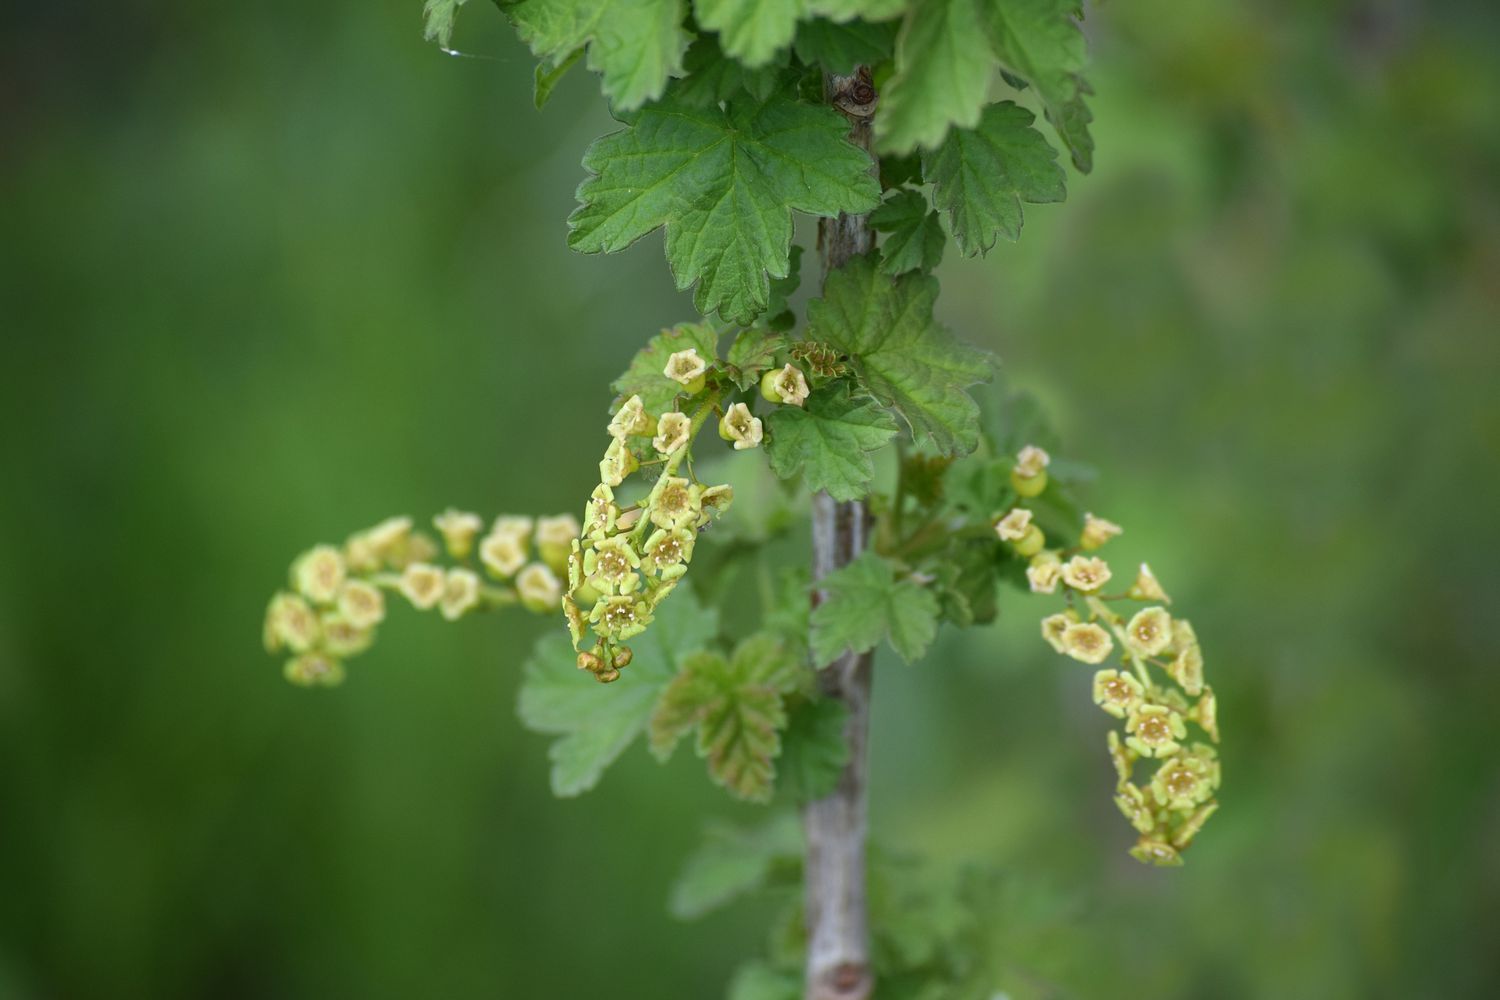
x=539, y=588
x=502, y=555
x=291, y=624
x=314, y=670
x=1136, y=807
x=1182, y=782
x=1149, y=632
x=620, y=618
x=600, y=514
x=787, y=386
x=668, y=551
x=1122, y=757
x=460, y=593
x=1087, y=642
x=1146, y=587
x=1014, y=525
x=672, y=432
x=630, y=419
x=459, y=528
x=554, y=537
x=675, y=502
x=1097, y=531
x=1085, y=573
x=715, y=501
x=1117, y=692
x=319, y=573
x=1053, y=629
x=739, y=426
x=1154, y=731
x=361, y=603
x=617, y=463
x=1189, y=829
x=1157, y=853
x=422, y=584
x=342, y=638
x=1044, y=572
x=686, y=368
x=610, y=566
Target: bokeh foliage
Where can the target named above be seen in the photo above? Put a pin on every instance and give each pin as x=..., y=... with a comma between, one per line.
x=272, y=272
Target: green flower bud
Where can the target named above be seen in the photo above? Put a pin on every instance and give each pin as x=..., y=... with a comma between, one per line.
x=1149, y=632
x=459, y=529
x=422, y=584
x=687, y=369
x=314, y=670
x=1155, y=852
x=1189, y=829
x=460, y=593
x=361, y=604
x=539, y=589
x=575, y=619
x=1206, y=714
x=1146, y=588
x=622, y=658
x=608, y=675
x=590, y=661
x=319, y=573
x=291, y=624
x=554, y=538
x=1122, y=757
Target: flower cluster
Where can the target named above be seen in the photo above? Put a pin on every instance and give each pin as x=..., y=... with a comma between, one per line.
x=1157, y=691
x=337, y=594
x=629, y=556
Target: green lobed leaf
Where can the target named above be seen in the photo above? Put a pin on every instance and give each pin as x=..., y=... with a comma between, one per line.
x=438, y=18
x=901, y=354
x=829, y=440
x=731, y=863
x=546, y=78
x=753, y=31
x=813, y=749
x=713, y=77
x=981, y=175
x=735, y=706
x=752, y=354
x=723, y=183
x=595, y=722
x=635, y=45
x=867, y=602
x=914, y=238
x=1039, y=40
x=646, y=375
x=840, y=47
x=943, y=70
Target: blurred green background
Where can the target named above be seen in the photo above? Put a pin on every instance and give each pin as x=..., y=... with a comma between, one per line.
x=274, y=271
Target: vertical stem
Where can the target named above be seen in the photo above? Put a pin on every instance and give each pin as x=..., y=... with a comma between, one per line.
x=838, y=929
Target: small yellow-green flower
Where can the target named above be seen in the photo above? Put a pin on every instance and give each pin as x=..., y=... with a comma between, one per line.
x=1087, y=642
x=787, y=386
x=1044, y=572
x=360, y=555
x=1154, y=731
x=610, y=566
x=516, y=526
x=1085, y=573
x=1053, y=629
x=1014, y=525
x=675, y=502
x=554, y=537
x=686, y=368
x=1149, y=632
x=1122, y=757
x=419, y=548
x=1136, y=807
x=1206, y=714
x=621, y=617
x=1182, y=782
x=1097, y=531
x=715, y=501
x=389, y=538
x=459, y=528
x=1157, y=853
x=617, y=463
x=502, y=554
x=422, y=584
x=291, y=624
x=1117, y=692
x=460, y=593
x=630, y=419
x=668, y=551
x=314, y=670
x=342, y=638
x=318, y=573
x=1189, y=829
x=539, y=589
x=1187, y=670
x=672, y=431
x=576, y=621
x=1029, y=476
x=739, y=426
x=361, y=604
x=1146, y=587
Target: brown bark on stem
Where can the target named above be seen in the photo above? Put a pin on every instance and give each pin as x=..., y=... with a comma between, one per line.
x=835, y=826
